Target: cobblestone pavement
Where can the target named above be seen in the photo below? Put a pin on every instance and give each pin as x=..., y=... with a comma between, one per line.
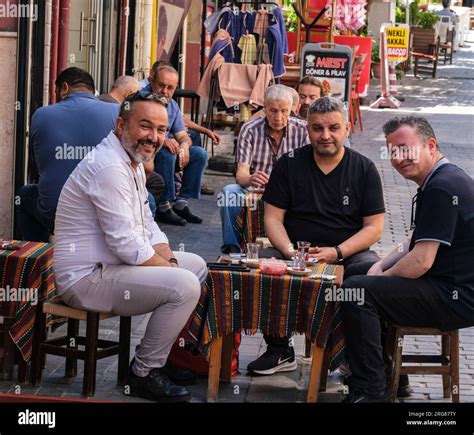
x=447, y=102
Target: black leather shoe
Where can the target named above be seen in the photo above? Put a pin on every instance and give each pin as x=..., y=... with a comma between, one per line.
x=168, y=217
x=156, y=386
x=404, y=390
x=179, y=376
x=185, y=213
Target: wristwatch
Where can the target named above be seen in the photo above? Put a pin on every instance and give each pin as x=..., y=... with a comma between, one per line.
x=340, y=257
x=173, y=261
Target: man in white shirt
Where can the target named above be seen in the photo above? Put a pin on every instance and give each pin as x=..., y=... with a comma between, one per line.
x=110, y=255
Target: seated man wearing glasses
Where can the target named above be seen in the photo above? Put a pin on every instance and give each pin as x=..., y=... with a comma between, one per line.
x=261, y=142
x=177, y=154
x=427, y=282
x=325, y=194
x=110, y=256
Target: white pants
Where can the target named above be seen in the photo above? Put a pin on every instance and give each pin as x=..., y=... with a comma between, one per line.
x=171, y=294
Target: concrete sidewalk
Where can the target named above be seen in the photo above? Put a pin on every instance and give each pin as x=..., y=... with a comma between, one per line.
x=447, y=102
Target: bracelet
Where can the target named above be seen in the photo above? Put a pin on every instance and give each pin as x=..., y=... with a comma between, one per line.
x=173, y=260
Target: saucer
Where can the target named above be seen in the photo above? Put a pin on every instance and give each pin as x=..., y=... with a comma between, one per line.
x=295, y=272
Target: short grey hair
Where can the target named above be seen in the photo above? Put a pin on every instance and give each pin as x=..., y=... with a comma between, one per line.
x=421, y=125
x=328, y=105
x=166, y=68
x=279, y=93
x=125, y=83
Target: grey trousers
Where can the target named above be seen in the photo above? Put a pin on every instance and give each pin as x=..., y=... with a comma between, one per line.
x=171, y=294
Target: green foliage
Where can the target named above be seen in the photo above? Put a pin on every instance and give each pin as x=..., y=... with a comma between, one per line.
x=375, y=55
x=428, y=20
x=414, y=13
x=289, y=14
x=400, y=15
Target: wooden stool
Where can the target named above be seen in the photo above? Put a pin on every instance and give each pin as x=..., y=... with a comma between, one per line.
x=449, y=359
x=68, y=345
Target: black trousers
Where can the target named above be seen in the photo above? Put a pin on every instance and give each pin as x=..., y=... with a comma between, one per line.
x=422, y=302
x=357, y=264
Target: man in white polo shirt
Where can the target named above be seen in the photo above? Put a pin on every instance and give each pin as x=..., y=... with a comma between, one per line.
x=111, y=256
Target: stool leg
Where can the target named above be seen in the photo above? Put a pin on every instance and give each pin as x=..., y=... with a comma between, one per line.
x=72, y=333
x=39, y=336
x=124, y=355
x=445, y=354
x=455, y=365
x=397, y=363
x=90, y=361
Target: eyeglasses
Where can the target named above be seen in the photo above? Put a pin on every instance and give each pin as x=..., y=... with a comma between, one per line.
x=148, y=96
x=413, y=209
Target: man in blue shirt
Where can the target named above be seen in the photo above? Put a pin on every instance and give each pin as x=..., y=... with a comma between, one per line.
x=61, y=136
x=177, y=153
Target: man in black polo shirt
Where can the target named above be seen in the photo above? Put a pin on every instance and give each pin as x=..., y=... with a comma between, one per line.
x=428, y=283
x=326, y=194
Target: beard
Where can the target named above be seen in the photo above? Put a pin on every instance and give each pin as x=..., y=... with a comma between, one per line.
x=133, y=148
x=326, y=152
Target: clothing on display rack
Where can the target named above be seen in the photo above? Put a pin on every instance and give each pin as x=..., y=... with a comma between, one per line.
x=237, y=83
x=267, y=25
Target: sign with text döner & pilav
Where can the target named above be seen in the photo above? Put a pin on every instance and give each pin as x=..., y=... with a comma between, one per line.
x=397, y=42
x=331, y=64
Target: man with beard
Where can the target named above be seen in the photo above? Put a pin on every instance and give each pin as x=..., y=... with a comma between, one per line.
x=120, y=261
x=328, y=195
x=309, y=89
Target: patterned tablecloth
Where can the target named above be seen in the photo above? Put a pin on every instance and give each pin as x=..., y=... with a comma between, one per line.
x=251, y=301
x=26, y=278
x=250, y=219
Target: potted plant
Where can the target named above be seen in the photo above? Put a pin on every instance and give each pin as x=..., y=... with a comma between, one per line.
x=375, y=60
x=423, y=28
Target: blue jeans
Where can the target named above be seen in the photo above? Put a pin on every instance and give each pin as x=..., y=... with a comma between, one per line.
x=32, y=225
x=230, y=201
x=195, y=138
x=165, y=163
x=152, y=203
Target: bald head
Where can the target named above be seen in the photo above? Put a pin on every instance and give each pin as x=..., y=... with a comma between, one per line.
x=126, y=84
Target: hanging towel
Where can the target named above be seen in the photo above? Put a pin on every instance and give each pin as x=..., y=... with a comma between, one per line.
x=263, y=55
x=222, y=44
x=204, y=88
x=261, y=22
x=275, y=48
x=240, y=83
x=212, y=20
x=281, y=24
x=249, y=49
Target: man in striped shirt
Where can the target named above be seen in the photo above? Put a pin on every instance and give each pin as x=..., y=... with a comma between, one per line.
x=261, y=143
